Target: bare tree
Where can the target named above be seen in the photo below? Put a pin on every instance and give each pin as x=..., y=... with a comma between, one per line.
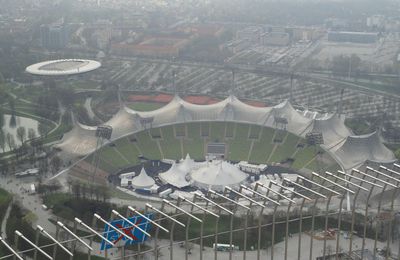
x=31, y=134
x=69, y=183
x=2, y=141
x=21, y=133
x=56, y=163
x=10, y=141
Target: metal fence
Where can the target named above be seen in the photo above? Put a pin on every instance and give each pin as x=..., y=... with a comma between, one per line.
x=358, y=197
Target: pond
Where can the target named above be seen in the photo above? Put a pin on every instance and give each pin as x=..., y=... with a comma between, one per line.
x=12, y=123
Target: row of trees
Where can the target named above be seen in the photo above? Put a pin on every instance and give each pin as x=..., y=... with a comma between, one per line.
x=7, y=139
x=90, y=191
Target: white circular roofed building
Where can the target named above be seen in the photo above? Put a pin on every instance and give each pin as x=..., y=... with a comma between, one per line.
x=63, y=67
x=217, y=174
x=142, y=181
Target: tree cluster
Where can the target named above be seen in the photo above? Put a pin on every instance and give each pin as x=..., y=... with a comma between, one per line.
x=89, y=191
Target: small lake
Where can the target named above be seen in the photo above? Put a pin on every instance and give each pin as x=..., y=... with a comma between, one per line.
x=10, y=126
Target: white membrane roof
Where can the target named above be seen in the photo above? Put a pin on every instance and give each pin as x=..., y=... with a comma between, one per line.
x=62, y=67
x=216, y=175
x=349, y=150
x=142, y=181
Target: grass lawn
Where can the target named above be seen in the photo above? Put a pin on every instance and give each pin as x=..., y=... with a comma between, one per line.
x=303, y=156
x=148, y=146
x=128, y=149
x=205, y=129
x=125, y=153
x=263, y=147
x=286, y=149
x=145, y=106
x=109, y=154
x=240, y=145
x=180, y=130
x=170, y=145
x=5, y=199
x=194, y=144
x=217, y=132
x=230, y=127
x=255, y=131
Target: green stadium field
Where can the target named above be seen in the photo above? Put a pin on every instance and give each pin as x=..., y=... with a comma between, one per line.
x=244, y=142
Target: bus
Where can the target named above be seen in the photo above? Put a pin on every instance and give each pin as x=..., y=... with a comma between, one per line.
x=224, y=247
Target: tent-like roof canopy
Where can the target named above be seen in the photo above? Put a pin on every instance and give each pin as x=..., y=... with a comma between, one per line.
x=217, y=174
x=142, y=181
x=81, y=140
x=356, y=150
x=178, y=174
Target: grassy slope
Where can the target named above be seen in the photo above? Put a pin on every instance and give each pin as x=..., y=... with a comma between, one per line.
x=286, y=149
x=240, y=145
x=263, y=147
x=193, y=144
x=170, y=145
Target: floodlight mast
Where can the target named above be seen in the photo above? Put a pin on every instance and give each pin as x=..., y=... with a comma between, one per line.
x=10, y=248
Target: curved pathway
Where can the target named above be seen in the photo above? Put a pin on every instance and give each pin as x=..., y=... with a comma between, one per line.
x=4, y=222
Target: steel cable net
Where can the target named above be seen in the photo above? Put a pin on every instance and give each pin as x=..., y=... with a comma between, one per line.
x=343, y=215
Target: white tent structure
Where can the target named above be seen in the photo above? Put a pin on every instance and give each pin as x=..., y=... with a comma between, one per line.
x=332, y=128
x=175, y=177
x=142, y=181
x=178, y=174
x=216, y=175
x=78, y=142
x=356, y=150
x=81, y=140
